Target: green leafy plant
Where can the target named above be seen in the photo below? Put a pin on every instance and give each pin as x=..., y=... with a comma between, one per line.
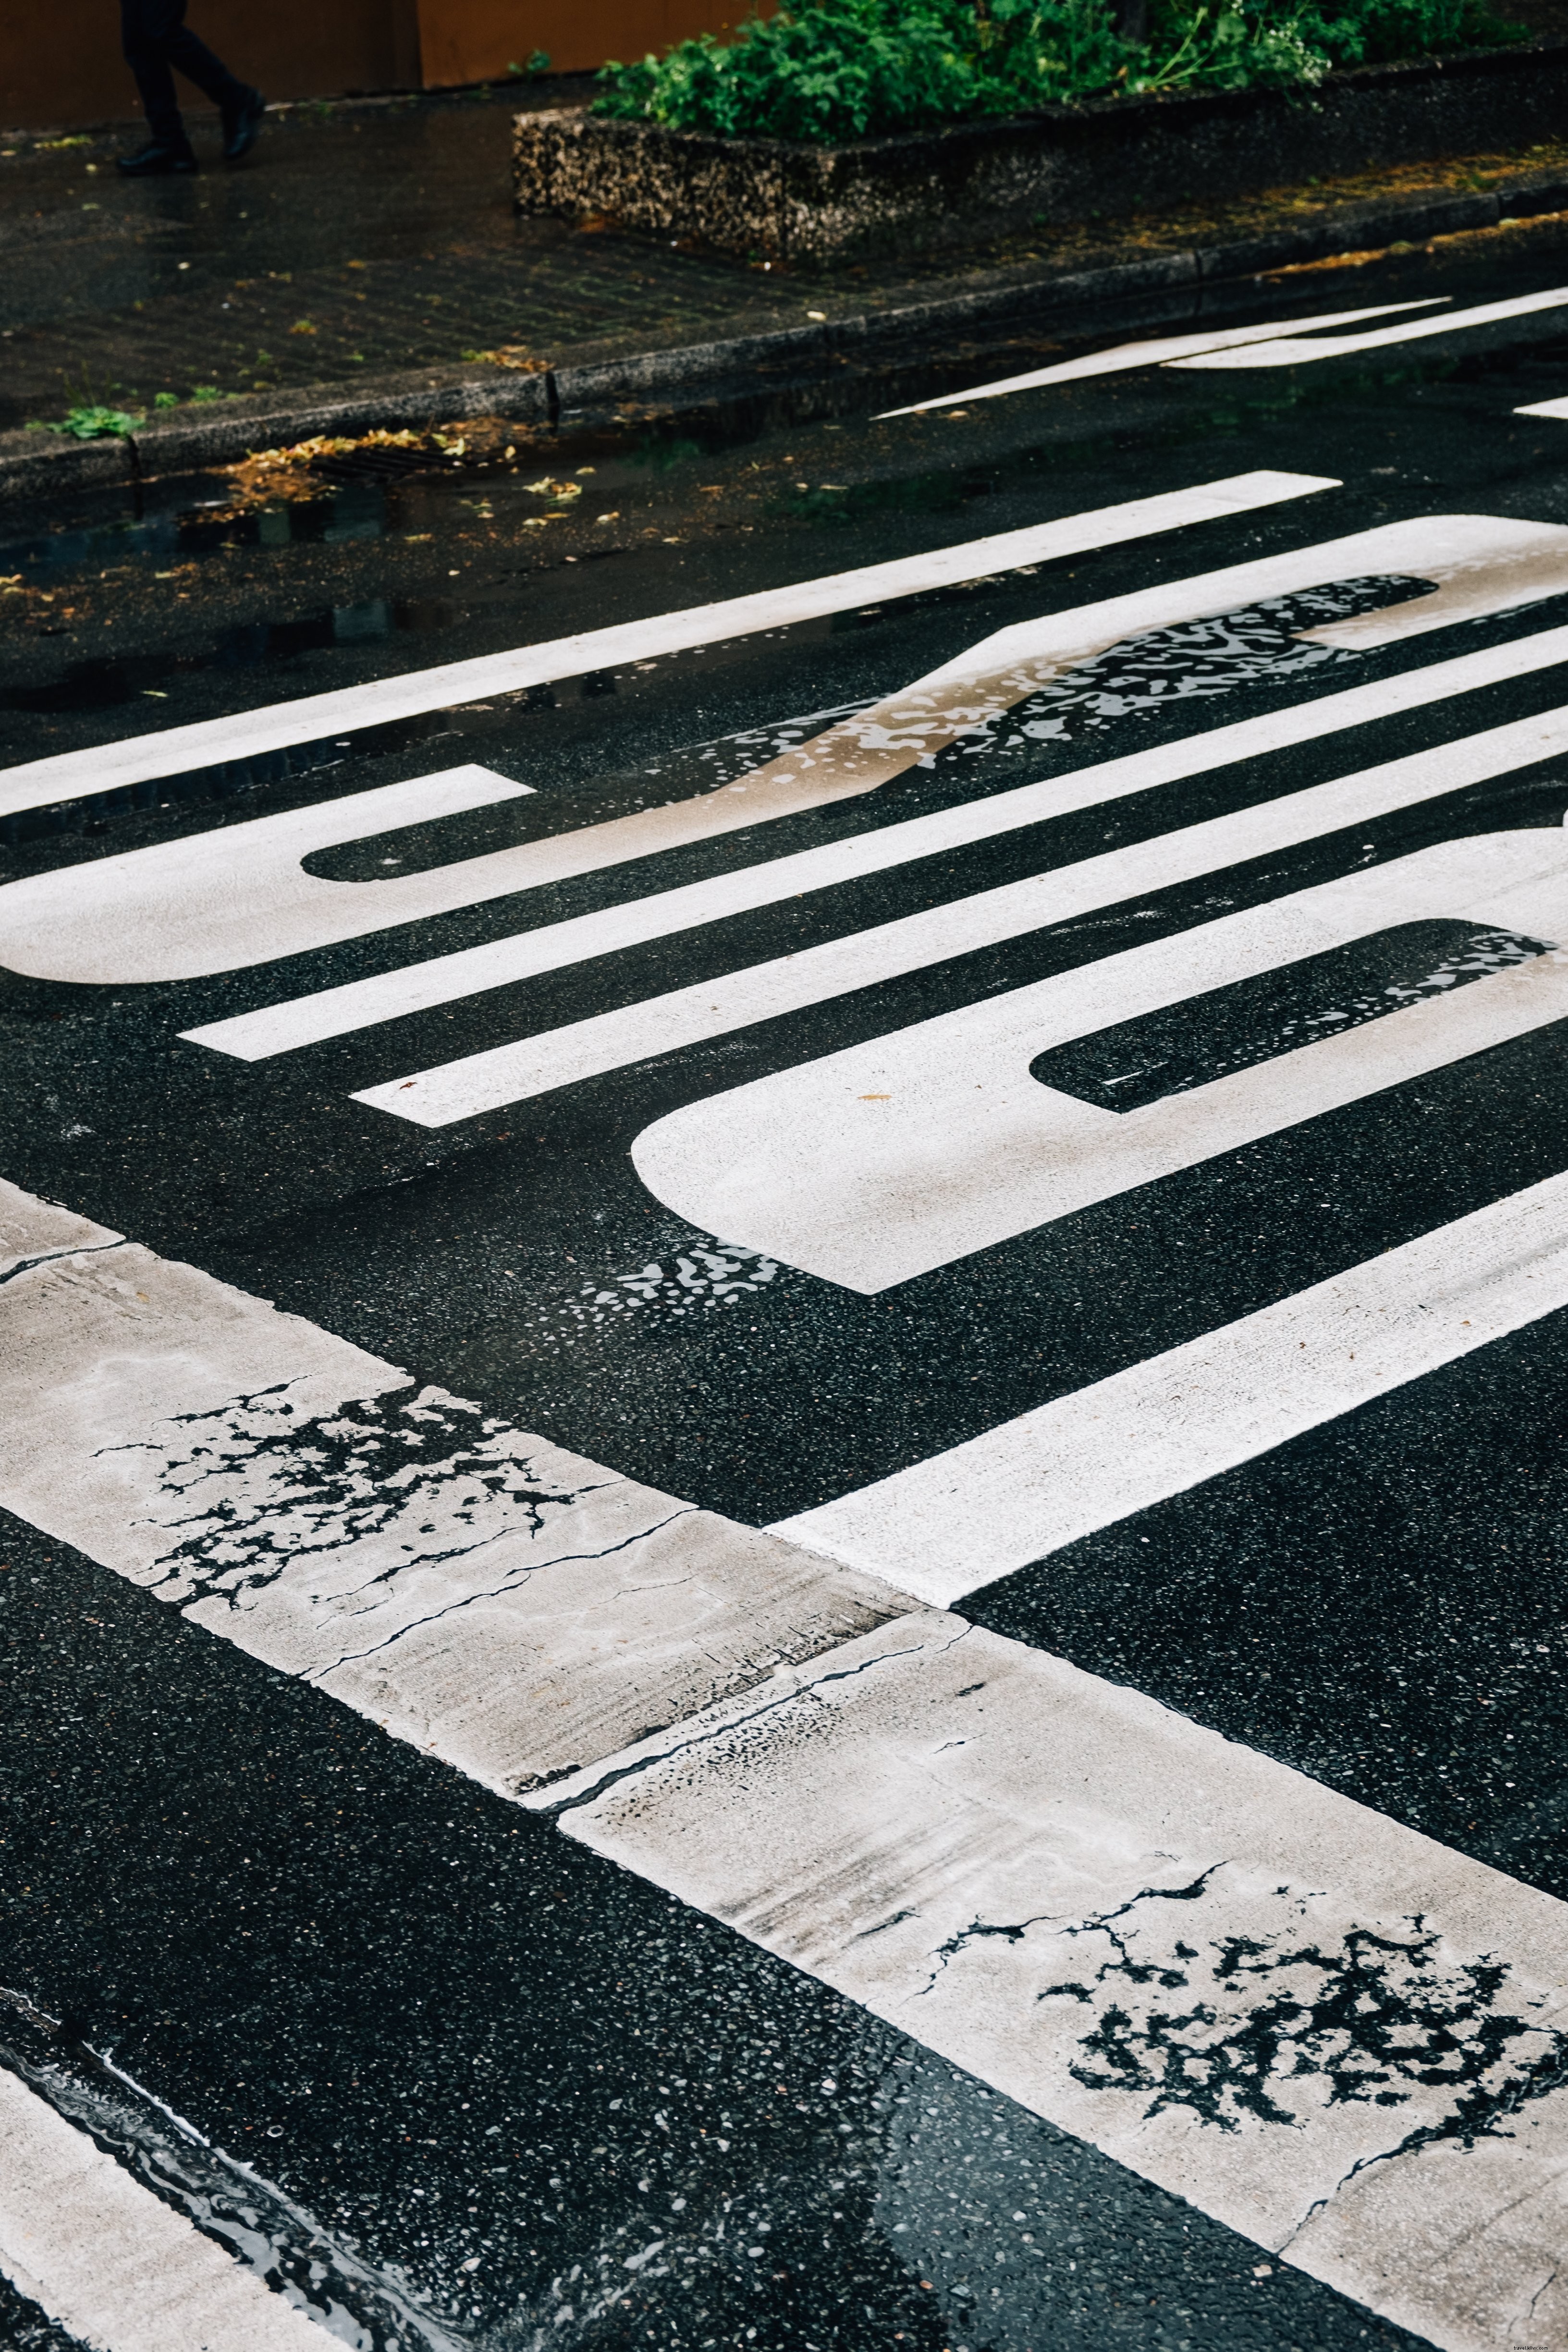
x=91, y=424
x=822, y=70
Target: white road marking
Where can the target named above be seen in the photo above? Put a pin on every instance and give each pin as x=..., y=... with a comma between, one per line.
x=1290, y=350
x=236, y=894
x=419, y=1560
x=245, y=735
x=881, y=1162
x=111, y=2263
x=662, y=1024
x=1152, y=352
x=1240, y=1984
x=1021, y=1491
x=1545, y=408
x=95, y=925
x=1013, y=1862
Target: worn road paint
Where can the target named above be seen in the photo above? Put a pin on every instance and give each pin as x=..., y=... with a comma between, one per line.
x=426, y=1563
x=1153, y=352
x=111, y=2263
x=500, y=1075
x=1344, y=2041
x=160, y=919
x=960, y=1519
x=1016, y=1863
x=111, y=767
x=887, y=1159
x=236, y=894
x=1290, y=350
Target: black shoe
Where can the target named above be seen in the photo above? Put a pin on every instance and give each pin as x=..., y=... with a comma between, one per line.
x=241, y=125
x=158, y=157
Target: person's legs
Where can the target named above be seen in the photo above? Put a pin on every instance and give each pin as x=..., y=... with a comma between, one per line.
x=157, y=38
x=197, y=62
x=144, y=25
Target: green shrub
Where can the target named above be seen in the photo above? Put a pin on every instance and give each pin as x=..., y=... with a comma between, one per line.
x=821, y=70
x=92, y=422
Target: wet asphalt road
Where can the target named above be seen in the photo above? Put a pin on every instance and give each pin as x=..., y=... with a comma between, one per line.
x=433, y=2025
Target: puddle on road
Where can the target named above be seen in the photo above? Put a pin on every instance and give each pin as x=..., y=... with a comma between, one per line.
x=101, y=685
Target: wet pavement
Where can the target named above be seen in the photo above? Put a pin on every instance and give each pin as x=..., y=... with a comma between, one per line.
x=1225, y=832
x=369, y=236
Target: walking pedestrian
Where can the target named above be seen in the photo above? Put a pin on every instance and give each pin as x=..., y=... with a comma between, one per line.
x=157, y=39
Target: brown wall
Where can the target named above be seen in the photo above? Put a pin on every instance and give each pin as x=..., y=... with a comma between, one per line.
x=60, y=63
x=472, y=40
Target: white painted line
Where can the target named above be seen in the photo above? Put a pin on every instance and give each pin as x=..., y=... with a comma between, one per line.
x=1040, y=1876
x=1153, y=353
x=419, y=1560
x=111, y=2263
x=516, y=1072
x=1545, y=408
x=1023, y=1490
x=878, y=1163
x=1291, y=351
x=1311, y=2022
x=235, y=894
x=111, y=767
x=165, y=911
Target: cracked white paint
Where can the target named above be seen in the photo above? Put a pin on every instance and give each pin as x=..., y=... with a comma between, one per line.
x=509, y=1606
x=950, y=1828
x=32, y=1230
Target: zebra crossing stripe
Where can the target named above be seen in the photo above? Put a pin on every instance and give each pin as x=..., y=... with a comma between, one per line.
x=1042, y=1877
x=1344, y=2041
x=111, y=2263
x=245, y=735
x=413, y=1556
x=1016, y=1493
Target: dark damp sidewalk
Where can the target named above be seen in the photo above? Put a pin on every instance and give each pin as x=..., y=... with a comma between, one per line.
x=355, y=239
x=368, y=236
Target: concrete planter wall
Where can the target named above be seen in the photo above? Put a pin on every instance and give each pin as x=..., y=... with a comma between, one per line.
x=953, y=187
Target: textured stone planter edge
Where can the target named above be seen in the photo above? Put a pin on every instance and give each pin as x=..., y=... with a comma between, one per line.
x=971, y=181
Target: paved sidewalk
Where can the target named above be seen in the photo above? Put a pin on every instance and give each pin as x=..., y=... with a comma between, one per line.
x=371, y=236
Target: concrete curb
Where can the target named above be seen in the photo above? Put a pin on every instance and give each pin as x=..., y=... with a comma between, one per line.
x=1167, y=286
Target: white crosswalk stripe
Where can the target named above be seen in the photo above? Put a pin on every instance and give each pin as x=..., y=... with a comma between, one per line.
x=986, y=1846
x=111, y=2263
x=1032, y=1486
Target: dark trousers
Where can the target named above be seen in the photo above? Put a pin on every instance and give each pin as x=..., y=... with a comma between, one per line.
x=155, y=40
